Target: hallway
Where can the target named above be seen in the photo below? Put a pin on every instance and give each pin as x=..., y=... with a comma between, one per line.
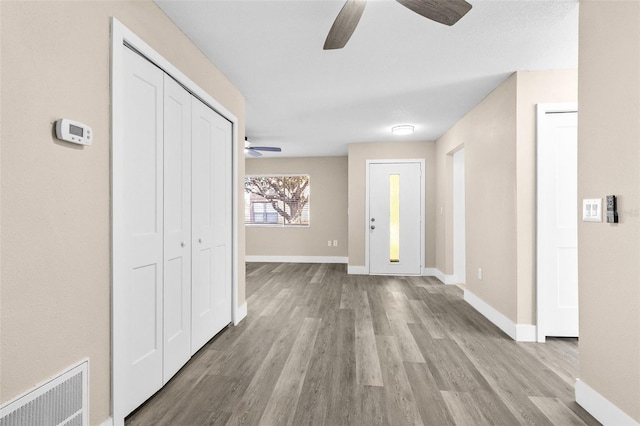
x=319, y=346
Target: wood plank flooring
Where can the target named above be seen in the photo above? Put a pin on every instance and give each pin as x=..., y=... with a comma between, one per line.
x=320, y=347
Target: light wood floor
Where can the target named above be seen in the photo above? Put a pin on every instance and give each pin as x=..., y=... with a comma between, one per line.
x=320, y=347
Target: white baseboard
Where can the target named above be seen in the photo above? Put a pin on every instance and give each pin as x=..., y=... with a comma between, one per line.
x=518, y=332
x=297, y=259
x=489, y=312
x=357, y=270
x=434, y=272
x=429, y=272
x=108, y=422
x=240, y=314
x=426, y=272
x=600, y=407
x=526, y=333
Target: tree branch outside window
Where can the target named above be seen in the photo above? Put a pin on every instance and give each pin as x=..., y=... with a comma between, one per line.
x=286, y=195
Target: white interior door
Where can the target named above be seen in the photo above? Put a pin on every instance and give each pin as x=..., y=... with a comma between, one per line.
x=222, y=223
x=211, y=289
x=143, y=228
x=557, y=225
x=177, y=227
x=395, y=216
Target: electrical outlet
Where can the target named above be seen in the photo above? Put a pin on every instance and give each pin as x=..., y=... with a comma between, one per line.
x=480, y=273
x=329, y=243
x=335, y=243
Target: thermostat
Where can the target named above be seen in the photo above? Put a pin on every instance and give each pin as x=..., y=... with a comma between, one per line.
x=74, y=132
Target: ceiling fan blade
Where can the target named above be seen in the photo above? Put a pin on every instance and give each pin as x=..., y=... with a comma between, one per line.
x=446, y=12
x=267, y=148
x=344, y=25
x=252, y=152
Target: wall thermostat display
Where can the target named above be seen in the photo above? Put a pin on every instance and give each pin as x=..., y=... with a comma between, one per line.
x=74, y=132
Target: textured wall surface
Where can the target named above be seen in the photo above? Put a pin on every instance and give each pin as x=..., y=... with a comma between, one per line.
x=55, y=231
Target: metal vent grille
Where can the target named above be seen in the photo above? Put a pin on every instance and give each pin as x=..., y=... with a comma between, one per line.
x=62, y=401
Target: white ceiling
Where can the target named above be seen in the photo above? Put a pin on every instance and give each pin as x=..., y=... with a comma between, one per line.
x=397, y=68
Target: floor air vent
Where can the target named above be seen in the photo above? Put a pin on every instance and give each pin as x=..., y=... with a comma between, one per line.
x=61, y=401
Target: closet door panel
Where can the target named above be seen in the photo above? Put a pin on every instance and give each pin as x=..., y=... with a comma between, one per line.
x=177, y=227
x=222, y=224
x=202, y=225
x=211, y=284
x=143, y=228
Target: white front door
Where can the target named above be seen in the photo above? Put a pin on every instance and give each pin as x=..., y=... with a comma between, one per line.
x=211, y=222
x=557, y=224
x=395, y=218
x=141, y=311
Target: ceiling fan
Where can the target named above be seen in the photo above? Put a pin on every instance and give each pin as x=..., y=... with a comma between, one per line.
x=254, y=151
x=446, y=12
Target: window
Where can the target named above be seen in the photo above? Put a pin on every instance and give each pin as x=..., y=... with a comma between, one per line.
x=394, y=218
x=262, y=211
x=276, y=200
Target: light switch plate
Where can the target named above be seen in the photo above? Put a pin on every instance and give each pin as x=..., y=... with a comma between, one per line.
x=592, y=210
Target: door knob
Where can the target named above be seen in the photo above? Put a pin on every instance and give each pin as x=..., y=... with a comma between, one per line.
x=373, y=227
x=199, y=240
x=373, y=219
x=182, y=244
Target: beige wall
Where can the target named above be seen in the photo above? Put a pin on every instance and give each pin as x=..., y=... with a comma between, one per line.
x=488, y=133
x=534, y=87
x=609, y=163
x=359, y=153
x=328, y=209
x=55, y=231
x=499, y=140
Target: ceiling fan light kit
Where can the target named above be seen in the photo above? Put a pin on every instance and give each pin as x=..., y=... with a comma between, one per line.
x=402, y=129
x=446, y=12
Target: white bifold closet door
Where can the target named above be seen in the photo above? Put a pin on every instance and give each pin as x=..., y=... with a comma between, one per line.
x=176, y=179
x=143, y=245
x=211, y=308
x=177, y=227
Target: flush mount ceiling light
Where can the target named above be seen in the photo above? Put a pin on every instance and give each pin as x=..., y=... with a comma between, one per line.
x=403, y=129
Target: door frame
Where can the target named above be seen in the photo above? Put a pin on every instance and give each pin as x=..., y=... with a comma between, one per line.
x=120, y=36
x=422, y=208
x=459, y=216
x=541, y=292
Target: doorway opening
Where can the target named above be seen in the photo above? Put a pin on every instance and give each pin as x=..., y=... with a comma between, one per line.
x=459, y=237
